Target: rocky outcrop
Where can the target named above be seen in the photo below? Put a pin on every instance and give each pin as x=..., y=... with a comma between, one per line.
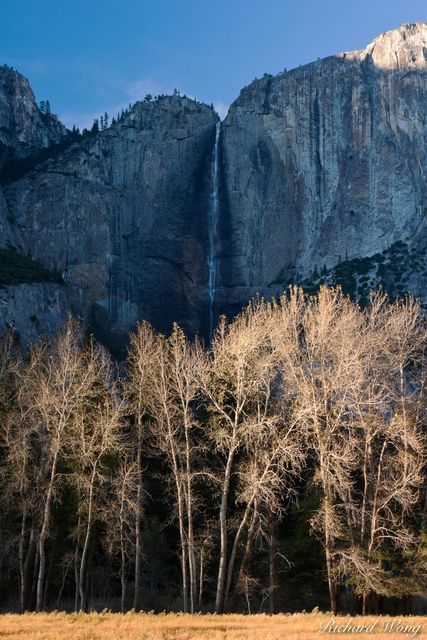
x=123, y=216
x=31, y=310
x=323, y=164
x=24, y=129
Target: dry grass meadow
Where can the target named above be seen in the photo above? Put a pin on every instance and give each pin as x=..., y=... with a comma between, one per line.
x=141, y=626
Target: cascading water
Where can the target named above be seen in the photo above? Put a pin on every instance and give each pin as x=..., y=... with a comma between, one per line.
x=213, y=218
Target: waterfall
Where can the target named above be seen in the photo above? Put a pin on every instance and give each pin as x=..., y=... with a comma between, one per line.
x=213, y=218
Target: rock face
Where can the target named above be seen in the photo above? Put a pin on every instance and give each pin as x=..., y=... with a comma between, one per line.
x=32, y=310
x=123, y=216
x=324, y=163
x=321, y=169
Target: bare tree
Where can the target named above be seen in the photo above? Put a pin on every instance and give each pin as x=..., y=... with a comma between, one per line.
x=17, y=471
x=96, y=437
x=354, y=382
x=172, y=396
x=120, y=511
x=248, y=422
x=54, y=394
x=392, y=415
x=319, y=344
x=143, y=347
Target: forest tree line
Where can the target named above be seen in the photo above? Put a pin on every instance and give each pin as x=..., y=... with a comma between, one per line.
x=179, y=467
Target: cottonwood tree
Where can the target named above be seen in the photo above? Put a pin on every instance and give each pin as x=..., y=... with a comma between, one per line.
x=265, y=479
x=55, y=393
x=346, y=371
x=55, y=400
x=96, y=438
x=392, y=418
x=142, y=350
x=120, y=512
x=186, y=365
x=318, y=341
x=21, y=491
x=172, y=398
x=17, y=460
x=249, y=431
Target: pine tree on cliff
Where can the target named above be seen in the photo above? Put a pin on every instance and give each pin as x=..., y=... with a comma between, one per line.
x=95, y=126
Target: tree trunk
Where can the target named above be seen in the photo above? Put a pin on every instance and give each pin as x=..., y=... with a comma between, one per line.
x=201, y=576
x=29, y=570
x=137, y=575
x=22, y=585
x=43, y=535
x=122, y=556
x=23, y=534
x=331, y=581
x=190, y=537
x=61, y=589
x=245, y=558
x=123, y=580
x=76, y=569
x=272, y=553
x=33, y=597
x=86, y=542
x=220, y=590
x=184, y=559
x=181, y=519
x=40, y=580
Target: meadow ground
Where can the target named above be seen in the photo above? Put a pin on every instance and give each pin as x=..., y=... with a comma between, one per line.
x=141, y=626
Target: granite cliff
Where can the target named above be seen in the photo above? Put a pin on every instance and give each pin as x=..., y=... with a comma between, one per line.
x=24, y=129
x=30, y=305
x=324, y=164
x=123, y=216
x=319, y=176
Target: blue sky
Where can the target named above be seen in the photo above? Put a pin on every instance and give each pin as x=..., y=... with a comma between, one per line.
x=88, y=57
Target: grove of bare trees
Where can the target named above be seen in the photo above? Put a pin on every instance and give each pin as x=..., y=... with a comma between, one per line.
x=184, y=477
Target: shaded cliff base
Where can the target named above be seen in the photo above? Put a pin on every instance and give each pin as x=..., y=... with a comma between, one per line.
x=32, y=310
x=33, y=300
x=399, y=270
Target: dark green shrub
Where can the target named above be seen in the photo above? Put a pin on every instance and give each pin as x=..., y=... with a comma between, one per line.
x=16, y=268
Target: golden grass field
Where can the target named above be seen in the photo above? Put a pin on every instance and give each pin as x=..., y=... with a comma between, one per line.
x=145, y=626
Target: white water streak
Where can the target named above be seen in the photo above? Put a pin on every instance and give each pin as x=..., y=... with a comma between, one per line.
x=213, y=218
